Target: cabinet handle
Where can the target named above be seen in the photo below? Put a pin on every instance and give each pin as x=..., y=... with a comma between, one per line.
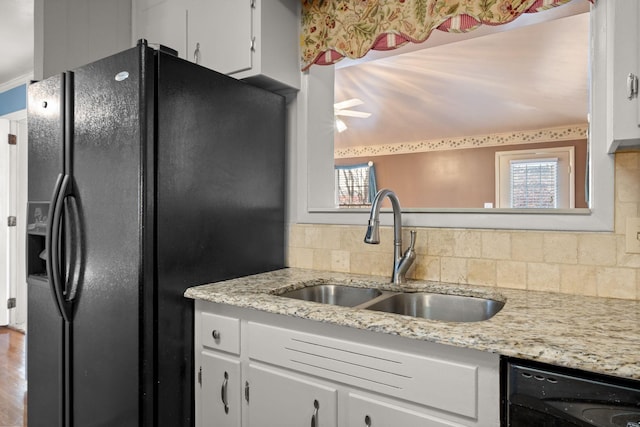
x=215, y=334
x=196, y=54
x=223, y=393
x=314, y=417
x=632, y=86
x=367, y=420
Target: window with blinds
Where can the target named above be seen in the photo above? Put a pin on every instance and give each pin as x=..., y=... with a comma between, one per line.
x=535, y=179
x=534, y=183
x=353, y=186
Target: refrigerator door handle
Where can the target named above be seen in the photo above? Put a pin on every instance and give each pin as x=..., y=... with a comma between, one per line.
x=49, y=243
x=53, y=248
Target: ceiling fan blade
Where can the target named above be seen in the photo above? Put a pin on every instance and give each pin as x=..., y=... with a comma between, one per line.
x=351, y=113
x=348, y=103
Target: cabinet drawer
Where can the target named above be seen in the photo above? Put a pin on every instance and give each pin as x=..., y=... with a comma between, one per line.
x=364, y=411
x=220, y=333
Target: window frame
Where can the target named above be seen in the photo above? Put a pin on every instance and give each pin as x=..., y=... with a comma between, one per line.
x=366, y=175
x=566, y=182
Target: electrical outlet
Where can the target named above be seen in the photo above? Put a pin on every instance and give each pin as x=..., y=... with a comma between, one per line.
x=632, y=237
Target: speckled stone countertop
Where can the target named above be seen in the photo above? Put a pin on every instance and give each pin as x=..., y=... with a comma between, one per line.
x=594, y=334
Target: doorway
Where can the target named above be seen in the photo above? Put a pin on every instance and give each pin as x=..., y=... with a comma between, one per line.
x=13, y=208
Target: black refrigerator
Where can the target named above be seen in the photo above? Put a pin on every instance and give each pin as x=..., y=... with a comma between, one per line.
x=148, y=174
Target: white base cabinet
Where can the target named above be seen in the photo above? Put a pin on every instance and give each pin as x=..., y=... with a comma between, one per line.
x=260, y=369
x=218, y=375
x=286, y=399
x=371, y=412
x=221, y=392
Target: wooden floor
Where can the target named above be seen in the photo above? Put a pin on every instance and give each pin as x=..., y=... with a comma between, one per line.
x=13, y=383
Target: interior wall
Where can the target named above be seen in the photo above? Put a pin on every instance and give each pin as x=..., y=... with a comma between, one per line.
x=463, y=178
x=14, y=99
x=71, y=33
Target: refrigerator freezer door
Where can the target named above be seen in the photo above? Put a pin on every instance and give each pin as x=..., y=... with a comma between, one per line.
x=45, y=343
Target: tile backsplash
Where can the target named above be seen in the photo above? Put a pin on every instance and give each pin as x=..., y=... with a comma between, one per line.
x=567, y=262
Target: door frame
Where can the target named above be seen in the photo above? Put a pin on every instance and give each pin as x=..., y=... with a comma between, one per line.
x=14, y=176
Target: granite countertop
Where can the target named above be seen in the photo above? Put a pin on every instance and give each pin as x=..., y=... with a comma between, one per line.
x=594, y=334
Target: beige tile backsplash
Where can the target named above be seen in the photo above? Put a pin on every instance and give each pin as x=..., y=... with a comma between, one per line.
x=568, y=262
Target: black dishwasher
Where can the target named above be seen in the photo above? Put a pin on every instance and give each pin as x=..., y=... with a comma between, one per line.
x=540, y=395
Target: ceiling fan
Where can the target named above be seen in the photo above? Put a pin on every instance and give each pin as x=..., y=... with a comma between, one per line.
x=341, y=109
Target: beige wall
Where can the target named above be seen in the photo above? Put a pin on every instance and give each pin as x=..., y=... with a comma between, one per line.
x=567, y=262
x=463, y=178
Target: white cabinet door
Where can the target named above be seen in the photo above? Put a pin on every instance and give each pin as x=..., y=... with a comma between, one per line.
x=220, y=397
x=367, y=412
x=219, y=34
x=289, y=400
x=161, y=22
x=623, y=70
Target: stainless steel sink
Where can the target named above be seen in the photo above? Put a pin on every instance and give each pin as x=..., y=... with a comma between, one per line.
x=448, y=308
x=444, y=307
x=347, y=296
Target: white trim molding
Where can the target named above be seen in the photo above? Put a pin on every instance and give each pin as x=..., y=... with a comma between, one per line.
x=18, y=81
x=560, y=133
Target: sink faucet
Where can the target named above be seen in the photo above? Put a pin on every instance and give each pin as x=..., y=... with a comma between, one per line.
x=401, y=263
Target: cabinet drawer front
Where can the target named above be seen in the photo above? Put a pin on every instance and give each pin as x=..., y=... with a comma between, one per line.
x=220, y=333
x=441, y=384
x=364, y=411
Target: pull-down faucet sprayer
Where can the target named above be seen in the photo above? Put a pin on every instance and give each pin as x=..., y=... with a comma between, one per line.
x=401, y=263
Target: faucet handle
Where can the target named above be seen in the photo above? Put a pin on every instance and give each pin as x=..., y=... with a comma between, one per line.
x=406, y=260
x=410, y=254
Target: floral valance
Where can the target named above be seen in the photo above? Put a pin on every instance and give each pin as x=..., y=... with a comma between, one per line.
x=334, y=29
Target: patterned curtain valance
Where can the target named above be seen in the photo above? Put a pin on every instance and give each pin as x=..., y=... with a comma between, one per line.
x=334, y=29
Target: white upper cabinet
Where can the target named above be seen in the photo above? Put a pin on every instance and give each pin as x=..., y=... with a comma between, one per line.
x=161, y=22
x=256, y=40
x=253, y=40
x=220, y=34
x=622, y=70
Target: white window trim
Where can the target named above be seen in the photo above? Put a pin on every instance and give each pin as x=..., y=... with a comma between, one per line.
x=365, y=168
x=566, y=181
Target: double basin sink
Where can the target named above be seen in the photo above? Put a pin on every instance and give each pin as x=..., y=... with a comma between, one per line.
x=434, y=306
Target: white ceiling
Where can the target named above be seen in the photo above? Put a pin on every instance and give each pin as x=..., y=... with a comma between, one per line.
x=530, y=77
x=16, y=39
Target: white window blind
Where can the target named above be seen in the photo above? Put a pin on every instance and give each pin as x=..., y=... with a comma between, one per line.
x=352, y=186
x=534, y=183
x=535, y=178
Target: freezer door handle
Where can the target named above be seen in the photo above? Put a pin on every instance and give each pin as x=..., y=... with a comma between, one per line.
x=51, y=270
x=53, y=245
